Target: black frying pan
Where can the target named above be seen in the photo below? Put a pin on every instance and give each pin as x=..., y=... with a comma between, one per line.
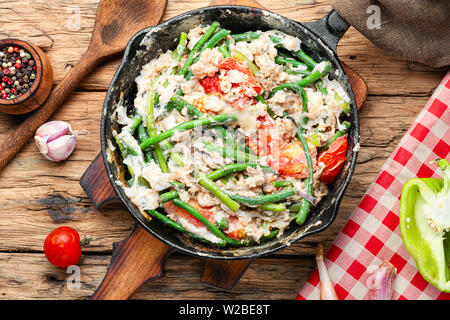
x=319, y=39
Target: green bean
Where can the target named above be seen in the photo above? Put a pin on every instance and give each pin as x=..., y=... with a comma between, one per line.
x=136, y=122
x=295, y=207
x=180, y=104
x=178, y=52
x=190, y=59
x=338, y=134
x=322, y=89
x=305, y=58
x=230, y=142
x=187, y=125
x=209, y=185
x=170, y=195
x=143, y=135
x=125, y=148
x=164, y=219
x=211, y=227
x=273, y=197
x=270, y=236
x=235, y=167
x=152, y=99
x=275, y=207
x=299, y=53
x=230, y=153
x=306, y=205
x=297, y=72
x=284, y=61
x=227, y=42
x=259, y=98
x=282, y=183
x=285, y=86
x=246, y=36
x=175, y=156
x=304, y=104
x=219, y=35
x=313, y=77
x=223, y=49
x=219, y=173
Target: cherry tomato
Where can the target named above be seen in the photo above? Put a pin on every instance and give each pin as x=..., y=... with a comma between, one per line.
x=62, y=247
x=333, y=159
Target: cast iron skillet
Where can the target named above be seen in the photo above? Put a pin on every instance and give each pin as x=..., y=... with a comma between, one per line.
x=319, y=39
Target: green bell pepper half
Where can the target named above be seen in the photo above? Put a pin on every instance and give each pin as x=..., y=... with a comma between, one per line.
x=424, y=225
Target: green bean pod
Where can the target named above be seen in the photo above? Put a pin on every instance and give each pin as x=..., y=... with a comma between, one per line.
x=338, y=134
x=236, y=167
x=190, y=59
x=284, y=61
x=273, y=197
x=152, y=99
x=180, y=104
x=209, y=185
x=178, y=52
x=246, y=36
x=166, y=220
x=211, y=227
x=187, y=125
x=231, y=153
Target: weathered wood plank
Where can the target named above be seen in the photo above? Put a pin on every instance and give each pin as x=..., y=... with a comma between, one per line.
x=384, y=73
x=30, y=276
x=38, y=195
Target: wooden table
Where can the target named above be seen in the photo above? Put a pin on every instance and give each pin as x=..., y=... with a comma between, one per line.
x=38, y=196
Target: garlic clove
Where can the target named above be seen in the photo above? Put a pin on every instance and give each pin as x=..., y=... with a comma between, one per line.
x=381, y=282
x=49, y=131
x=327, y=291
x=60, y=148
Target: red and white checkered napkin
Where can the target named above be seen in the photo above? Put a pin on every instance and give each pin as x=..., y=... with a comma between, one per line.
x=372, y=234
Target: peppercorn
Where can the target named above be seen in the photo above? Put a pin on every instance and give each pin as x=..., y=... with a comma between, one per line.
x=17, y=71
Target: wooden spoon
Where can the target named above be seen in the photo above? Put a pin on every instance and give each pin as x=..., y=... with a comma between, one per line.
x=116, y=22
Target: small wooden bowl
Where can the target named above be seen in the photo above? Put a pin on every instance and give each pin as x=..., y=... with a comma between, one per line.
x=41, y=87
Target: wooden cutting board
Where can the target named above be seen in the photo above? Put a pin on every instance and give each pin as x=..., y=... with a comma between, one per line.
x=140, y=257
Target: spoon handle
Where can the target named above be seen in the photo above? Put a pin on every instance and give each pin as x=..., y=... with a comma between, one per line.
x=28, y=127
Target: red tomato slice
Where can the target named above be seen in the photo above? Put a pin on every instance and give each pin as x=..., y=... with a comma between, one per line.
x=211, y=84
x=207, y=212
x=288, y=159
x=333, y=159
x=235, y=229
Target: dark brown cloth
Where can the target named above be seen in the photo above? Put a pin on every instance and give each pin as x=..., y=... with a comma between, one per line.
x=417, y=30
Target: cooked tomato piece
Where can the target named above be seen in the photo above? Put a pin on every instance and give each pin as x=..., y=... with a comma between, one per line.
x=211, y=84
x=235, y=229
x=333, y=159
x=288, y=159
x=233, y=64
x=239, y=103
x=292, y=159
x=207, y=212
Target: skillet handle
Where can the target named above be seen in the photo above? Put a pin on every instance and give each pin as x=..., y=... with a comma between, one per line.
x=96, y=184
x=135, y=260
x=330, y=28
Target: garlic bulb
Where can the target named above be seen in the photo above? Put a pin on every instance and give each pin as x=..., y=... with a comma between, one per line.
x=53, y=142
x=327, y=291
x=381, y=282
